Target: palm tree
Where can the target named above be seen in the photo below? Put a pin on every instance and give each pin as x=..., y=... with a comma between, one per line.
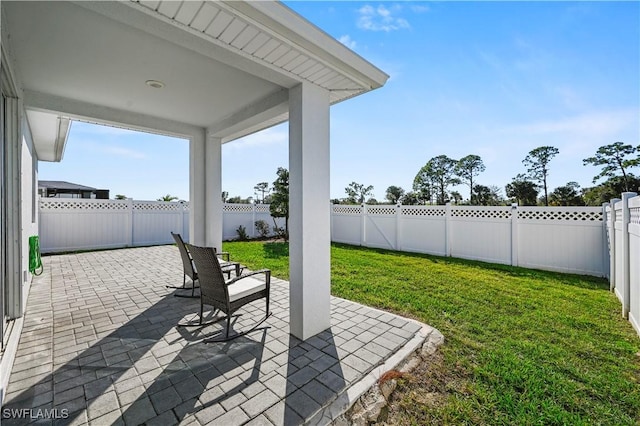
x=168, y=197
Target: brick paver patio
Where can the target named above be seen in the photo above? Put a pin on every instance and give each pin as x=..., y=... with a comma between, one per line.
x=100, y=346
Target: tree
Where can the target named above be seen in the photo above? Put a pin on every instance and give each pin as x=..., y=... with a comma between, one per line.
x=467, y=168
x=121, y=197
x=439, y=174
x=456, y=196
x=261, y=188
x=357, y=192
x=537, y=163
x=238, y=200
x=610, y=189
x=614, y=157
x=410, y=198
x=422, y=189
x=487, y=195
x=168, y=197
x=524, y=191
x=279, y=206
x=567, y=195
x=225, y=196
x=394, y=194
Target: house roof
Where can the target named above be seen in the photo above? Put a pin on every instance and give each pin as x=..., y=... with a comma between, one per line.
x=62, y=185
x=226, y=66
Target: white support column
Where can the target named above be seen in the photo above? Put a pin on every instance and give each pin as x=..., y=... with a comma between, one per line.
x=310, y=223
x=213, y=195
x=197, y=189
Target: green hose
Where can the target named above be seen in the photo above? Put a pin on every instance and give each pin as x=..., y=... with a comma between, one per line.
x=35, y=262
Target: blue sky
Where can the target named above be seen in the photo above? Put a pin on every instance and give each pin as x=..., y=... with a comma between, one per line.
x=496, y=79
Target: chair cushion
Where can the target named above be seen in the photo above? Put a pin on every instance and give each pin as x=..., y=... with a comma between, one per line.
x=245, y=287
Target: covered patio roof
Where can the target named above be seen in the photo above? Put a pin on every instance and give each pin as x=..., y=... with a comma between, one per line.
x=208, y=71
x=224, y=66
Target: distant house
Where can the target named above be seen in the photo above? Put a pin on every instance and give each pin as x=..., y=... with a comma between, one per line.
x=61, y=189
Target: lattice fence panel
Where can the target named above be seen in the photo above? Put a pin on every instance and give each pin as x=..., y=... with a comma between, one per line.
x=481, y=214
x=238, y=208
x=381, y=210
x=635, y=215
x=355, y=210
x=72, y=205
x=563, y=215
x=157, y=207
x=421, y=211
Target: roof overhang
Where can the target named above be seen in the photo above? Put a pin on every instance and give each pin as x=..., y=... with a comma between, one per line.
x=226, y=66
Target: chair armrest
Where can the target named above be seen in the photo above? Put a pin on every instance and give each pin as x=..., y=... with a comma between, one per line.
x=266, y=272
x=224, y=255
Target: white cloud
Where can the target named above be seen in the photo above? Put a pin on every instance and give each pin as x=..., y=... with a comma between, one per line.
x=580, y=135
x=347, y=41
x=381, y=18
x=593, y=124
x=419, y=8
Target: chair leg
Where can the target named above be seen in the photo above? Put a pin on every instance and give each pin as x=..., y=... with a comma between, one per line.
x=227, y=338
x=184, y=284
x=184, y=287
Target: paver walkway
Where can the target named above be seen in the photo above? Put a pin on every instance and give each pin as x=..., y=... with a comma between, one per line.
x=100, y=346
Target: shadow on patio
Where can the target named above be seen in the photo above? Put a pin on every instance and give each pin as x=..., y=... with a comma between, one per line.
x=100, y=346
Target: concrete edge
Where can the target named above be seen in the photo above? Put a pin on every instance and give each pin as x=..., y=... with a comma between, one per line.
x=351, y=395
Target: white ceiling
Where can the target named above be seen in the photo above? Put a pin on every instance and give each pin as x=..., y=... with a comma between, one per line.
x=226, y=66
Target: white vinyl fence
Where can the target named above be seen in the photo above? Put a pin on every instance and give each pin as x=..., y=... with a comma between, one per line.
x=623, y=226
x=68, y=224
x=564, y=239
x=246, y=215
x=567, y=239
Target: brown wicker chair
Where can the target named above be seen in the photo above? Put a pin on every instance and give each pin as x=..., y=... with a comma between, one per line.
x=227, y=296
x=190, y=271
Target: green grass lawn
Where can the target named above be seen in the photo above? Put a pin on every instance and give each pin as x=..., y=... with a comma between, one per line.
x=522, y=346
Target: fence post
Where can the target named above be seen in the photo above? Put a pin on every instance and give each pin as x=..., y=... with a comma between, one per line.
x=606, y=268
x=626, y=255
x=331, y=220
x=613, y=253
x=129, y=242
x=363, y=225
x=398, y=218
x=514, y=234
x=447, y=230
x=182, y=221
x=253, y=220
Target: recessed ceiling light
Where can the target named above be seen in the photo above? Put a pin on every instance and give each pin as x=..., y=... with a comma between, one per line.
x=156, y=84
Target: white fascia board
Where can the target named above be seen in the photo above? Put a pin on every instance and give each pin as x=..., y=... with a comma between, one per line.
x=64, y=124
x=84, y=111
x=280, y=21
